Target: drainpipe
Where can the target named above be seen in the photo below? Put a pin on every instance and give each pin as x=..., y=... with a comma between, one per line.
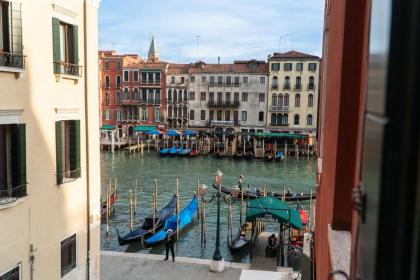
x=87, y=142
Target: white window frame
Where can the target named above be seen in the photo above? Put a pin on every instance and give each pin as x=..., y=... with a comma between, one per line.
x=19, y=265
x=128, y=75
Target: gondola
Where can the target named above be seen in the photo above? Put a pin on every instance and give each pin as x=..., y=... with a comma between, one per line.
x=279, y=156
x=193, y=153
x=248, y=155
x=252, y=194
x=185, y=218
x=238, y=155
x=269, y=157
x=183, y=152
x=241, y=241
x=173, y=151
x=146, y=228
x=219, y=155
x=164, y=151
x=112, y=199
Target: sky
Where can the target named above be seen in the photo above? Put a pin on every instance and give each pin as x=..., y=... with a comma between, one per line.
x=191, y=30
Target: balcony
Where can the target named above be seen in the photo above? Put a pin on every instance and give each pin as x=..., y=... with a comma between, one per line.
x=298, y=87
x=130, y=119
x=223, y=123
x=279, y=124
x=177, y=101
x=106, y=86
x=274, y=86
x=130, y=102
x=11, y=60
x=155, y=83
x=286, y=86
x=223, y=104
x=283, y=109
x=118, y=85
x=64, y=68
x=311, y=86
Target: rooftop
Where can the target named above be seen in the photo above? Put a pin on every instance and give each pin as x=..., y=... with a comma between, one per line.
x=292, y=54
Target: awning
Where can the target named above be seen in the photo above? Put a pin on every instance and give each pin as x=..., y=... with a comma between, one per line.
x=144, y=128
x=270, y=209
x=279, y=135
x=108, y=127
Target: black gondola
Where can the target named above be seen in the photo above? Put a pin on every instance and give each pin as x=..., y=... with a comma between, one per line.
x=238, y=155
x=252, y=194
x=248, y=155
x=146, y=228
x=241, y=241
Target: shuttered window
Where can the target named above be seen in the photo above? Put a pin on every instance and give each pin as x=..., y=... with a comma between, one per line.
x=12, y=160
x=67, y=150
x=68, y=255
x=65, y=48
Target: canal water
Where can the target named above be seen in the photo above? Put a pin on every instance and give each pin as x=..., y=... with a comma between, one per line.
x=298, y=175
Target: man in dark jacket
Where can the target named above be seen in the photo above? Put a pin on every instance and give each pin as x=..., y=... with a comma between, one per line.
x=169, y=244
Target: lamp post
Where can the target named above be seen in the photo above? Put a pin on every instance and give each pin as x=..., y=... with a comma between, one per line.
x=217, y=263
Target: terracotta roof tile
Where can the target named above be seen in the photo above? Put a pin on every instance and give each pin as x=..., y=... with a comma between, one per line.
x=293, y=54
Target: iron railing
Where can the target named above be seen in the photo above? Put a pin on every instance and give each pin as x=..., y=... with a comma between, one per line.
x=65, y=68
x=311, y=86
x=274, y=86
x=279, y=108
x=12, y=60
x=279, y=124
x=286, y=86
x=221, y=104
x=7, y=196
x=298, y=87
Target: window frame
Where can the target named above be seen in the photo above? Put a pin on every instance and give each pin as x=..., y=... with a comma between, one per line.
x=18, y=266
x=244, y=97
x=203, y=118
x=73, y=264
x=244, y=113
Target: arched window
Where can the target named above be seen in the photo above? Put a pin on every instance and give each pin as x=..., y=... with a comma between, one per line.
x=298, y=83
x=184, y=111
x=309, y=119
x=285, y=119
x=107, y=81
x=175, y=96
x=287, y=82
x=311, y=83
x=274, y=100
x=157, y=96
x=144, y=95
x=180, y=95
x=310, y=100
x=279, y=119
x=118, y=98
x=280, y=100
x=170, y=112
x=126, y=94
x=275, y=82
x=175, y=112
x=296, y=121
x=169, y=94
x=136, y=95
x=297, y=100
x=185, y=95
x=273, y=119
x=286, y=100
x=180, y=111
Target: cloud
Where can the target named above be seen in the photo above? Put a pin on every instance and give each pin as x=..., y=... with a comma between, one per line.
x=231, y=29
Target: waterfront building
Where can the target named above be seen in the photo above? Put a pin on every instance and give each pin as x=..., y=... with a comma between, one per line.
x=177, y=81
x=293, y=92
x=132, y=90
x=228, y=96
x=49, y=148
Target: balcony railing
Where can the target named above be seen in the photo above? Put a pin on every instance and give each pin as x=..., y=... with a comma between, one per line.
x=286, y=86
x=12, y=60
x=151, y=83
x=221, y=104
x=15, y=193
x=311, y=86
x=274, y=86
x=279, y=124
x=279, y=108
x=298, y=87
x=69, y=69
x=222, y=123
x=177, y=101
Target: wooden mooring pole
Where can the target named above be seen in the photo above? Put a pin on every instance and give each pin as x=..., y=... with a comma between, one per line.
x=107, y=211
x=131, y=210
x=177, y=208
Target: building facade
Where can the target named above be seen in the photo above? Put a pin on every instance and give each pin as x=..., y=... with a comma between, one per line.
x=293, y=92
x=132, y=91
x=177, y=96
x=228, y=95
x=49, y=164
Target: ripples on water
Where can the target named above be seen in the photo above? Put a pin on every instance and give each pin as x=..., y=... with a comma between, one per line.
x=298, y=175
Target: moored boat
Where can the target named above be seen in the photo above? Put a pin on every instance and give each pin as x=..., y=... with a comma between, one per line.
x=242, y=239
x=146, y=229
x=173, y=151
x=184, y=219
x=112, y=199
x=164, y=151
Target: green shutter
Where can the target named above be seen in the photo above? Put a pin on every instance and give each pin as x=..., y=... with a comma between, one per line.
x=18, y=141
x=56, y=44
x=58, y=152
x=73, y=45
x=75, y=148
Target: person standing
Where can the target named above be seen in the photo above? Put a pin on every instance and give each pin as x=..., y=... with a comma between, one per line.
x=169, y=244
x=240, y=181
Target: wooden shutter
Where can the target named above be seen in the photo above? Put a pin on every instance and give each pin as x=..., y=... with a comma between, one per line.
x=75, y=148
x=58, y=152
x=73, y=45
x=18, y=134
x=56, y=44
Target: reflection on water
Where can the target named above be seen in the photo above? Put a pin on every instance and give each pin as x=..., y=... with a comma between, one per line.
x=297, y=175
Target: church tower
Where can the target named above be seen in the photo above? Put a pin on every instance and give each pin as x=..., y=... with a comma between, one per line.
x=153, y=55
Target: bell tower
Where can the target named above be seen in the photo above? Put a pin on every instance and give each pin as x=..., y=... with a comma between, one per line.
x=153, y=55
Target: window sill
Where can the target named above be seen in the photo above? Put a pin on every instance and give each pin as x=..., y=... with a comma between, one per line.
x=7, y=202
x=17, y=71
x=66, y=181
x=59, y=77
x=340, y=249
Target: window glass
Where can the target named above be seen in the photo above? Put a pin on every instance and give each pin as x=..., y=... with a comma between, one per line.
x=261, y=116
x=244, y=96
x=244, y=116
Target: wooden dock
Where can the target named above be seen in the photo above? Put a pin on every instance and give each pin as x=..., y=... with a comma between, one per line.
x=259, y=260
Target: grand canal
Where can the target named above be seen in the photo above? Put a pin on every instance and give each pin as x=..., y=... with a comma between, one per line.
x=299, y=175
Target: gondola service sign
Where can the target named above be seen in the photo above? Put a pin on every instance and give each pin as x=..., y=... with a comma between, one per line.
x=268, y=218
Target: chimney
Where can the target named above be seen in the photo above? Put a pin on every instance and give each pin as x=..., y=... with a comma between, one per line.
x=218, y=60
